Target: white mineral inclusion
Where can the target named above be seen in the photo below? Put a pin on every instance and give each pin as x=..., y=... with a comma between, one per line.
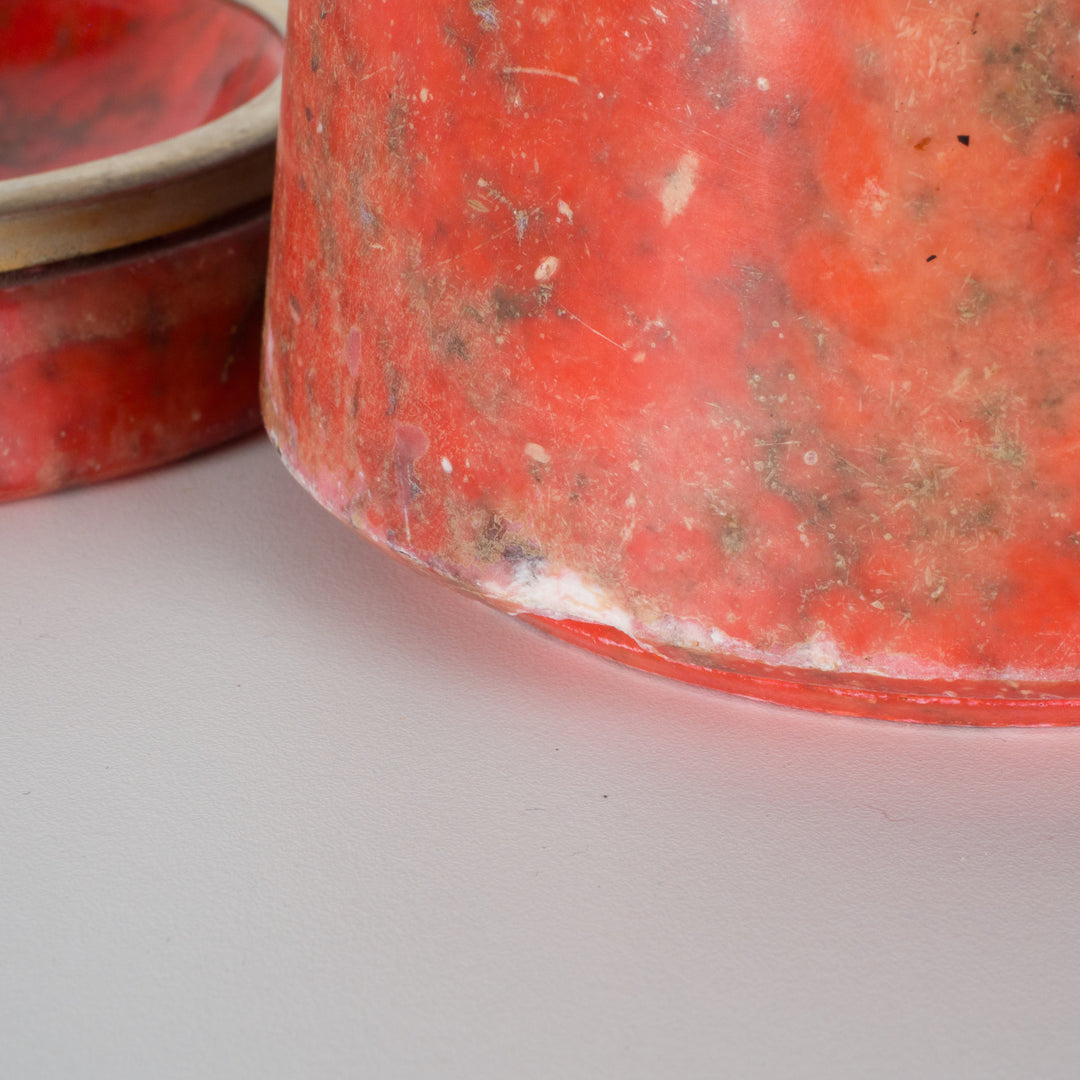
x=447, y=467
x=679, y=187
x=564, y=594
x=547, y=268
x=874, y=197
x=762, y=83
x=810, y=457
x=537, y=453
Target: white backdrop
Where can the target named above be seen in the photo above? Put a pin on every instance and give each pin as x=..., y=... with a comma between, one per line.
x=272, y=805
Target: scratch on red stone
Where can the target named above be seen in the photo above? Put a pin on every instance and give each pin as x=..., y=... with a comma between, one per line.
x=354, y=351
x=410, y=444
x=547, y=72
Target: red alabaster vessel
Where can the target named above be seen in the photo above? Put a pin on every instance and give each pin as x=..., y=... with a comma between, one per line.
x=736, y=341
x=136, y=159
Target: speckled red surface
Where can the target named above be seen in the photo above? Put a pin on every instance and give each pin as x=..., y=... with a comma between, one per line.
x=127, y=361
x=85, y=79
x=736, y=340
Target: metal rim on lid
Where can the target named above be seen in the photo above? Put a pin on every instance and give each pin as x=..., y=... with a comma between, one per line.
x=154, y=190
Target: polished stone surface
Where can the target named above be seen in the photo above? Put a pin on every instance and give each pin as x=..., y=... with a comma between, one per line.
x=737, y=340
x=132, y=358
x=132, y=263
x=86, y=79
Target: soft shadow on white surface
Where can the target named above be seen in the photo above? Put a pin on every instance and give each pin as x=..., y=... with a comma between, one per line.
x=271, y=804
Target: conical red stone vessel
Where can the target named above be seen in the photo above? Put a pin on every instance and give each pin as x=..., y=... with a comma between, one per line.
x=737, y=341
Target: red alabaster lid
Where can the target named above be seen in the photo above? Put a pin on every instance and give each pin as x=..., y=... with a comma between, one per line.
x=121, y=120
